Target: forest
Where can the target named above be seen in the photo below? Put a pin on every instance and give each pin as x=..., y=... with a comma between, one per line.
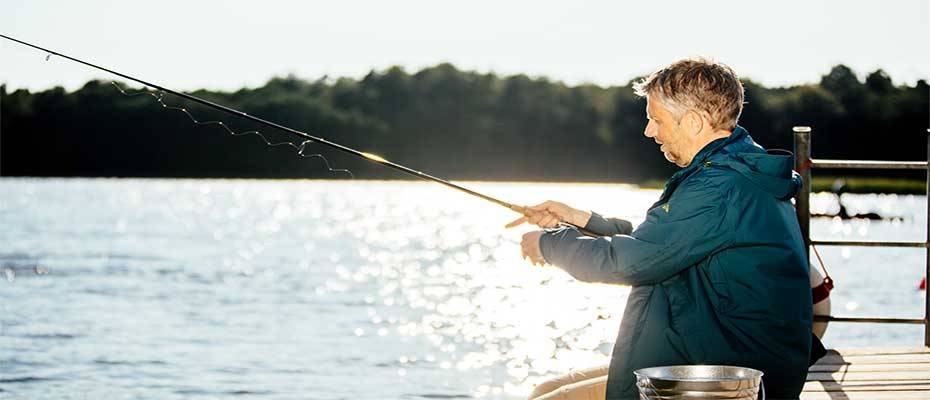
x=441, y=120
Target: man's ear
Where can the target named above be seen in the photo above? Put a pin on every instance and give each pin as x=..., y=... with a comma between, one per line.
x=693, y=122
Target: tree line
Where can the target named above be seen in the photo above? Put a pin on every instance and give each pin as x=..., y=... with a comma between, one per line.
x=441, y=120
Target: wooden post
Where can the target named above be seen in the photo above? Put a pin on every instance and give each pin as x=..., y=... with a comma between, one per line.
x=802, y=156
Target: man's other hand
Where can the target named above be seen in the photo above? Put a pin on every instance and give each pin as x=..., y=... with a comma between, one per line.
x=530, y=248
x=550, y=213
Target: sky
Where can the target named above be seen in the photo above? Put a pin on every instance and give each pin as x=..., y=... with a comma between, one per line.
x=232, y=44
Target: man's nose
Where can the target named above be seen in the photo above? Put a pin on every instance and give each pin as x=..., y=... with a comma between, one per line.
x=650, y=130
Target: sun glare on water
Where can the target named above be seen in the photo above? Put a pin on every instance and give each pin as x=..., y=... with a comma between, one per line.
x=480, y=306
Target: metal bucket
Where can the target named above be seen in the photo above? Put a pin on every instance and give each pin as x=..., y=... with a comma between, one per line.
x=681, y=382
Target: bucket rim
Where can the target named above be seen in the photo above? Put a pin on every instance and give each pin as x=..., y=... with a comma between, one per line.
x=752, y=374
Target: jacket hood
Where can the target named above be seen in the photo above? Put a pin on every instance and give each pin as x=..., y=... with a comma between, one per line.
x=770, y=170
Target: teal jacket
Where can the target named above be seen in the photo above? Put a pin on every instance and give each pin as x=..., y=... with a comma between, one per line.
x=718, y=269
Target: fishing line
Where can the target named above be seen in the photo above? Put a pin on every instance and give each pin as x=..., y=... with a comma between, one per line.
x=306, y=136
x=159, y=97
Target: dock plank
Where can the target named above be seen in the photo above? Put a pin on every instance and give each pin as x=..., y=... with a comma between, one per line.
x=877, y=373
x=865, y=386
x=868, y=376
x=900, y=395
x=870, y=367
x=833, y=359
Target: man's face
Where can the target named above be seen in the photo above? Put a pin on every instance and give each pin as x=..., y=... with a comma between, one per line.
x=666, y=130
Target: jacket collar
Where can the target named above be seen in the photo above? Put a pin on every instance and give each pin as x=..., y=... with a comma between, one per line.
x=739, y=133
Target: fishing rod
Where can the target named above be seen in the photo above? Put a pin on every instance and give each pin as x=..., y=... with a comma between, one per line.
x=368, y=156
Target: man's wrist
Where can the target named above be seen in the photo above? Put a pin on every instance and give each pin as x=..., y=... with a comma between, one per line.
x=581, y=218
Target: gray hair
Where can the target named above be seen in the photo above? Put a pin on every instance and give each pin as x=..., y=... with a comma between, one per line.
x=707, y=87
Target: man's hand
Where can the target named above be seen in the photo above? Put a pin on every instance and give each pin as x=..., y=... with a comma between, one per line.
x=550, y=213
x=530, y=248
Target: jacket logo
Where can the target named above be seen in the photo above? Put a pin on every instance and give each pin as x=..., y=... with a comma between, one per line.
x=665, y=207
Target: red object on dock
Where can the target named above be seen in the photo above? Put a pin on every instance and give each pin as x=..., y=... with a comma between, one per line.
x=923, y=284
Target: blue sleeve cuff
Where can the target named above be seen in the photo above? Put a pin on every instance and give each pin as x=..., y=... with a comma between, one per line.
x=608, y=226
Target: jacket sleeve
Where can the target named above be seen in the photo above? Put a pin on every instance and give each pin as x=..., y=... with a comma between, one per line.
x=676, y=235
x=608, y=226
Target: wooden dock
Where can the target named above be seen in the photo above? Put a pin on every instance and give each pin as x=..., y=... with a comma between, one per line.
x=880, y=373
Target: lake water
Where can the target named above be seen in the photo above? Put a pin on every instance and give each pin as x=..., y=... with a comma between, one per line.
x=198, y=289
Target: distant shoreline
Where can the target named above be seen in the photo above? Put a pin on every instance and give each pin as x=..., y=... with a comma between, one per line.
x=820, y=183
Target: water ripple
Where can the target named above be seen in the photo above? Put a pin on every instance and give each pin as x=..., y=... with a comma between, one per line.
x=26, y=379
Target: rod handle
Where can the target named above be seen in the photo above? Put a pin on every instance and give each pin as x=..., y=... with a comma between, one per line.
x=522, y=210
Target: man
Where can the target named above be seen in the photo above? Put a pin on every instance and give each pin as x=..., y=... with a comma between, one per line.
x=718, y=268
